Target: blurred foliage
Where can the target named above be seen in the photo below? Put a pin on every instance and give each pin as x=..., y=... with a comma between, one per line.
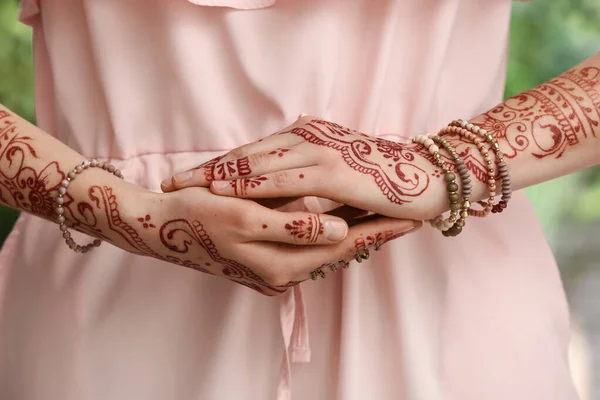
x=16, y=79
x=547, y=38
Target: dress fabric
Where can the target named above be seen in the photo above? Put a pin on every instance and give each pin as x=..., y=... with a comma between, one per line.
x=158, y=86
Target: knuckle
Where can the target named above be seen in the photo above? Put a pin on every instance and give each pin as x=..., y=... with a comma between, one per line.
x=256, y=159
x=280, y=179
x=238, y=152
x=242, y=221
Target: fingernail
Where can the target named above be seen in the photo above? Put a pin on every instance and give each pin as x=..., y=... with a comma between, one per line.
x=220, y=185
x=182, y=177
x=335, y=230
x=166, y=184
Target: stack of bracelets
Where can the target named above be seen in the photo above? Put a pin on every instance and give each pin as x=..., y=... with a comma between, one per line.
x=460, y=205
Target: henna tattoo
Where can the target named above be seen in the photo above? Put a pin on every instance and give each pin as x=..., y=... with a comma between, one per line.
x=265, y=226
x=22, y=186
x=279, y=152
x=179, y=236
x=377, y=239
x=301, y=176
x=145, y=221
x=208, y=168
x=307, y=231
x=544, y=121
x=400, y=183
x=240, y=186
x=241, y=167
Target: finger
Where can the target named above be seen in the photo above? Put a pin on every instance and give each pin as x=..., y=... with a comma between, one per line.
x=241, y=162
x=266, y=162
x=203, y=176
x=368, y=236
x=298, y=228
x=275, y=141
x=290, y=183
x=284, y=265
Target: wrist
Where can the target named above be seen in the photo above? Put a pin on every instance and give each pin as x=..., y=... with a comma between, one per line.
x=104, y=206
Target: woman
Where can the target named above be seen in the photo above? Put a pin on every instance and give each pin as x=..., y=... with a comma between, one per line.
x=157, y=87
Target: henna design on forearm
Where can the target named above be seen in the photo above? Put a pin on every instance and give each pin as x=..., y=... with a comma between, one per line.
x=307, y=231
x=544, y=121
x=21, y=185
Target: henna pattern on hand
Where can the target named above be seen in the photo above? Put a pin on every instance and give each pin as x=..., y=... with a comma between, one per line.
x=184, y=237
x=307, y=231
x=279, y=152
x=180, y=235
x=225, y=170
x=400, y=183
x=22, y=186
x=145, y=221
x=378, y=239
x=240, y=186
x=208, y=167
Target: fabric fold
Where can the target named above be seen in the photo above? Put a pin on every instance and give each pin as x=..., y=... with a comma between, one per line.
x=294, y=327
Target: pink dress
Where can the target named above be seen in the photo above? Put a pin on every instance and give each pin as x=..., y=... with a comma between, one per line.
x=157, y=86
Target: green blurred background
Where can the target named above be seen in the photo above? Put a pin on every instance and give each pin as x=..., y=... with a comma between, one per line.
x=547, y=37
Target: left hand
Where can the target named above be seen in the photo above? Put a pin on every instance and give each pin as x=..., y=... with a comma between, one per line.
x=313, y=157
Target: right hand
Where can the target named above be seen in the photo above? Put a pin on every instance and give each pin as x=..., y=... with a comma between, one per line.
x=264, y=249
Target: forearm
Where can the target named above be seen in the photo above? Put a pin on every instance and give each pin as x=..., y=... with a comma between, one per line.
x=32, y=166
x=546, y=132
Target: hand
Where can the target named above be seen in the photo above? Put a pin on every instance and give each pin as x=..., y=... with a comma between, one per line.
x=318, y=158
x=238, y=239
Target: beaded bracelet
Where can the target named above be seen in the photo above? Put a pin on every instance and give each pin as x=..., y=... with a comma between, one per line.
x=484, y=150
x=59, y=201
x=501, y=164
x=448, y=226
x=463, y=172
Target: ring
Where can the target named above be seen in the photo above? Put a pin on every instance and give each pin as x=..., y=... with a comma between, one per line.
x=362, y=255
x=316, y=273
x=377, y=246
x=345, y=264
x=365, y=254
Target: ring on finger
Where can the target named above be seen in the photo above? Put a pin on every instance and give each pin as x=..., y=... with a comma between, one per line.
x=362, y=255
x=316, y=273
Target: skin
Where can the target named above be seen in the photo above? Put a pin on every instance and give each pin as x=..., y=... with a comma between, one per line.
x=546, y=132
x=240, y=240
